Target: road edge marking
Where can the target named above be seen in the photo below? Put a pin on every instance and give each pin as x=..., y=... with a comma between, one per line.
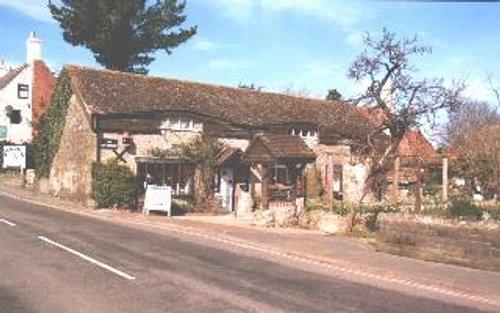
x=2, y=220
x=88, y=258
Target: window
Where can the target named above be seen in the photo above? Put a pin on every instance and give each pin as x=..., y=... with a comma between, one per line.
x=281, y=175
x=178, y=175
x=15, y=117
x=182, y=124
x=3, y=132
x=304, y=133
x=23, y=91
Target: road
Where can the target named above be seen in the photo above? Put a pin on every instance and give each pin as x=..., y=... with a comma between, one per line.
x=55, y=261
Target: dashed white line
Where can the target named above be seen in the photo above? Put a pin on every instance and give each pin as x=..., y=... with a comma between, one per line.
x=87, y=258
x=7, y=222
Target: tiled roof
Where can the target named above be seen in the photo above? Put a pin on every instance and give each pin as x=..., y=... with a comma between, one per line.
x=7, y=78
x=414, y=143
x=281, y=146
x=272, y=148
x=108, y=92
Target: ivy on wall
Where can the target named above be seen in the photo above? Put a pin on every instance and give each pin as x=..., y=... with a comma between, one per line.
x=51, y=126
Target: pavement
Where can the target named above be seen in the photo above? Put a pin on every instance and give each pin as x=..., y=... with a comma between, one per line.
x=346, y=255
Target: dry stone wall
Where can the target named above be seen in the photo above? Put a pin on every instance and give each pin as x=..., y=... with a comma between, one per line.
x=474, y=245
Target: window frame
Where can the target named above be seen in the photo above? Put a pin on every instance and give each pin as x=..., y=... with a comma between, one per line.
x=23, y=91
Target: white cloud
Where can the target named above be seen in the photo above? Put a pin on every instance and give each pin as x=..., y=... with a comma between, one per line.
x=343, y=13
x=321, y=69
x=355, y=38
x=35, y=9
x=229, y=64
x=205, y=45
x=236, y=9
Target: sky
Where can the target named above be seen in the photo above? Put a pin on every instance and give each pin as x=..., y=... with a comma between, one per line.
x=303, y=45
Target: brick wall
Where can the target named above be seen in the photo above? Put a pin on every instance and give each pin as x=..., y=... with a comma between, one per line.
x=43, y=85
x=70, y=175
x=474, y=245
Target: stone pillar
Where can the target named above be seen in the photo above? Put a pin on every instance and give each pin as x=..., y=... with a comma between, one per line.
x=329, y=180
x=419, y=195
x=395, y=180
x=445, y=179
x=265, y=186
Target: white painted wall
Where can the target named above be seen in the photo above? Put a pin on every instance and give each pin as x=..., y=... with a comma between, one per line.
x=18, y=133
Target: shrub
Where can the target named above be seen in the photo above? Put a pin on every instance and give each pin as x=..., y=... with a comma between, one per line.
x=315, y=204
x=464, y=209
x=341, y=208
x=113, y=185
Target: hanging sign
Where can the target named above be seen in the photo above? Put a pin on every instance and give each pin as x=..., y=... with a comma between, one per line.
x=108, y=143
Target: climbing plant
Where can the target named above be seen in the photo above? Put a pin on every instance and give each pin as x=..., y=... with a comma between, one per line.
x=51, y=126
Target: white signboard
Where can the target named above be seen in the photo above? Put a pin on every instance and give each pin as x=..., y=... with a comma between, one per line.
x=14, y=156
x=158, y=198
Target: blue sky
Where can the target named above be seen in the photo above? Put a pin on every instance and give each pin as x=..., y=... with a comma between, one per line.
x=304, y=45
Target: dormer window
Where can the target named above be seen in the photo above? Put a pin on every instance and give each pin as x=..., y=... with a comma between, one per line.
x=304, y=133
x=23, y=91
x=181, y=124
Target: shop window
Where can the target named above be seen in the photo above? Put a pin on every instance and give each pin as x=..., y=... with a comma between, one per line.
x=23, y=91
x=178, y=175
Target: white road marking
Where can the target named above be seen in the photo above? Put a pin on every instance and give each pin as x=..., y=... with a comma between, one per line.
x=87, y=258
x=7, y=222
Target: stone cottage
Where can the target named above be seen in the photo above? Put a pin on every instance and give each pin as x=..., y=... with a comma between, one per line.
x=268, y=139
x=24, y=94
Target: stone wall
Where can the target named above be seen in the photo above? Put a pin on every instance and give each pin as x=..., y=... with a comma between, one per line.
x=353, y=176
x=474, y=245
x=144, y=143
x=71, y=172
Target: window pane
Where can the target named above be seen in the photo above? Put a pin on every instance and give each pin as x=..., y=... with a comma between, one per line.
x=22, y=91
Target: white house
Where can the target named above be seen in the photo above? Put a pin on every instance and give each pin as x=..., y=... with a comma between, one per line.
x=25, y=91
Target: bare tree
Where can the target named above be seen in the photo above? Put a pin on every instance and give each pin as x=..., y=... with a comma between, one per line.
x=290, y=90
x=403, y=100
x=473, y=138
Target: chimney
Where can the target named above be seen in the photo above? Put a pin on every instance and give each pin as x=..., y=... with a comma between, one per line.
x=4, y=69
x=33, y=48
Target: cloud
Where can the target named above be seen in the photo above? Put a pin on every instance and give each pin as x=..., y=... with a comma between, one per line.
x=343, y=13
x=35, y=9
x=355, y=38
x=321, y=69
x=229, y=64
x=205, y=45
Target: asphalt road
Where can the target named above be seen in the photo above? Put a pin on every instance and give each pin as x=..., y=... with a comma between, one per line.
x=54, y=261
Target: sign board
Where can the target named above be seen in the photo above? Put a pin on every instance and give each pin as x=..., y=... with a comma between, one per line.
x=158, y=198
x=3, y=132
x=14, y=157
x=108, y=143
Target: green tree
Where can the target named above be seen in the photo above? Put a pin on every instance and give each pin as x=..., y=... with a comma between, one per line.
x=123, y=34
x=333, y=94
